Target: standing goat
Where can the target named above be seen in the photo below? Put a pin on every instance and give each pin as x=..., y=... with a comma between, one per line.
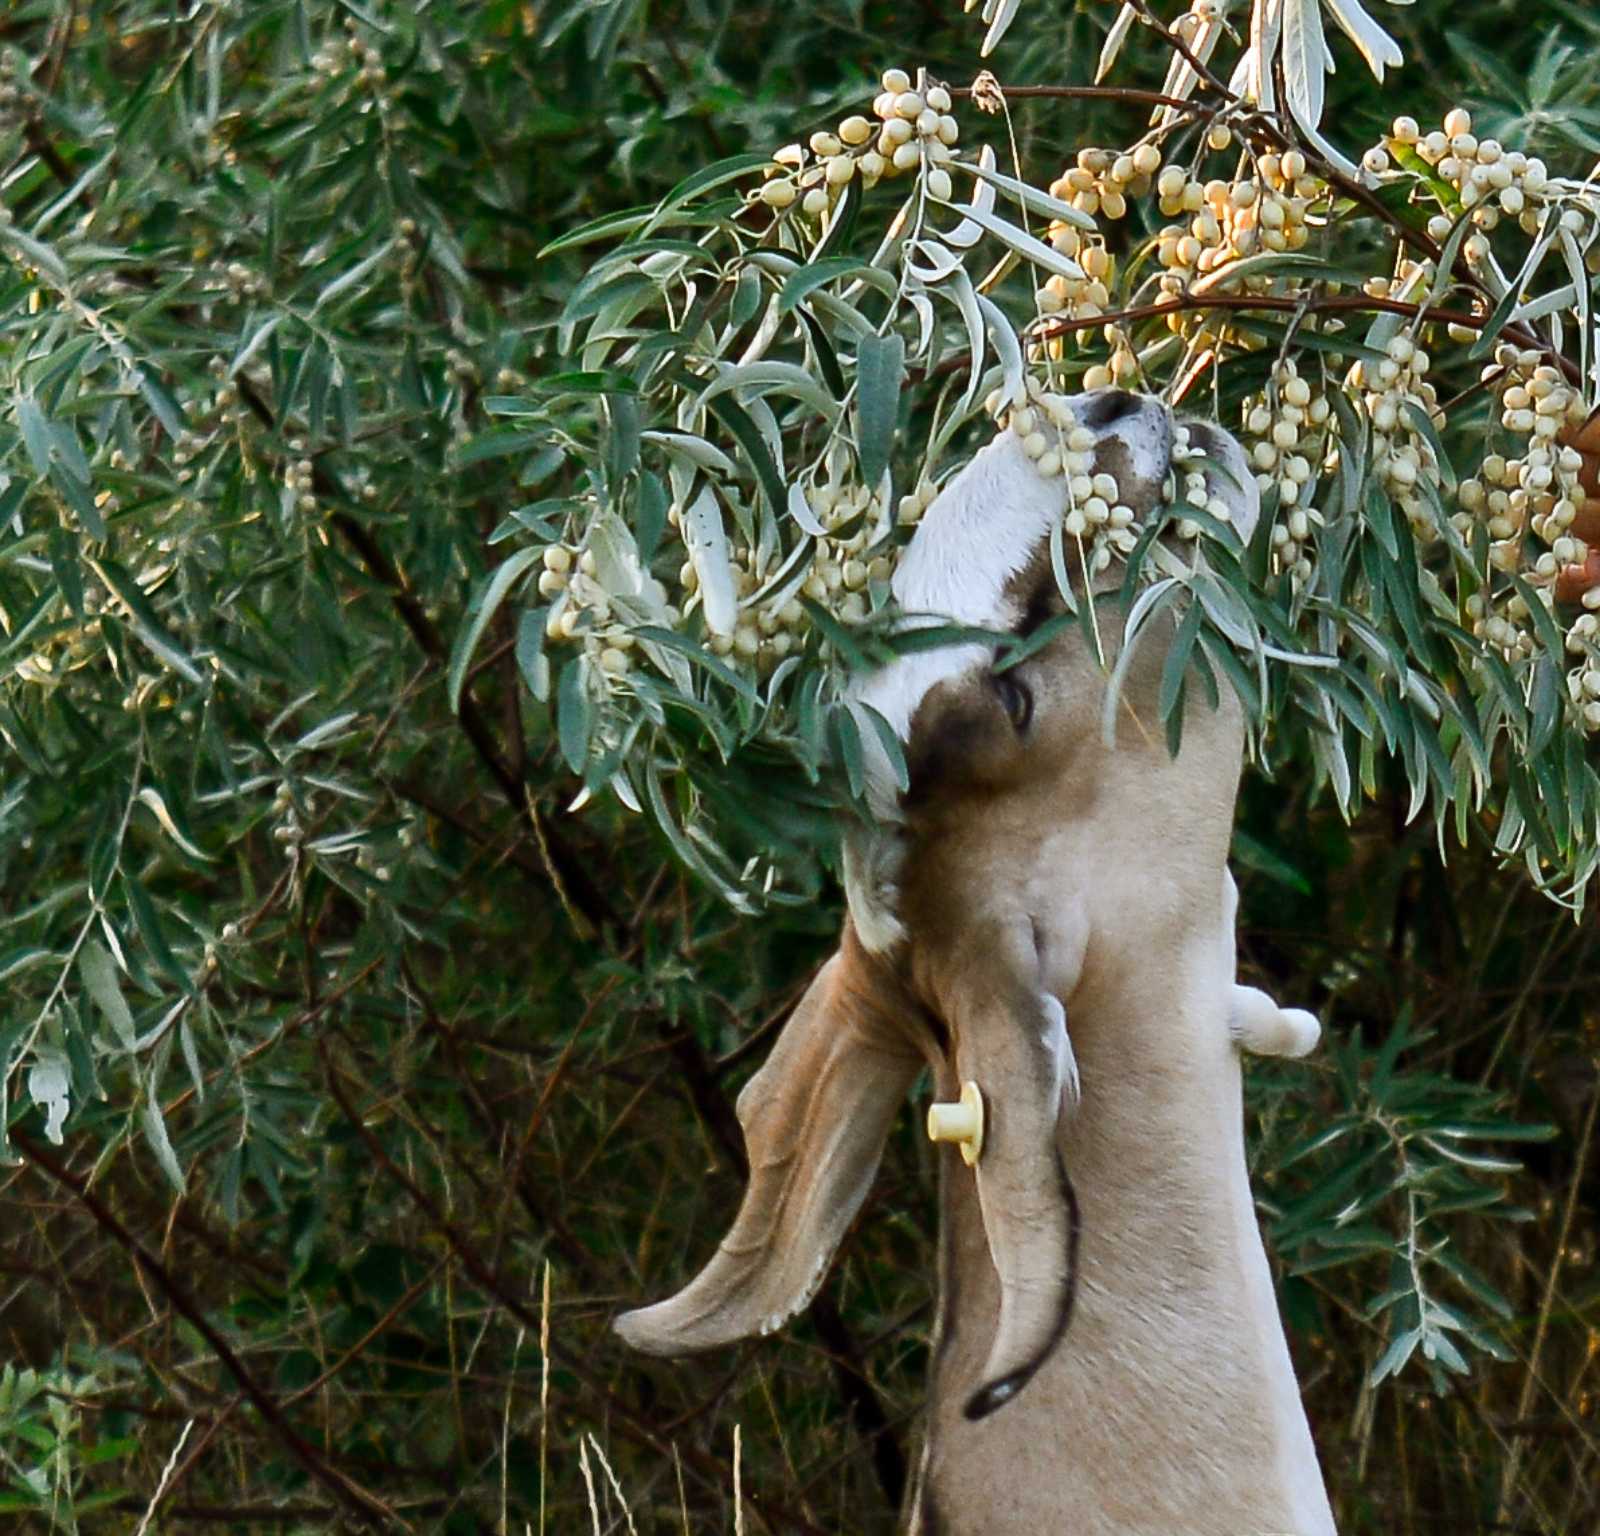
x=1046, y=920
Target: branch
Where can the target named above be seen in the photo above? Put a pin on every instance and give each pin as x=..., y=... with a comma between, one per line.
x=364, y=1507
x=1333, y=304
x=493, y=1285
x=585, y=895
x=1092, y=93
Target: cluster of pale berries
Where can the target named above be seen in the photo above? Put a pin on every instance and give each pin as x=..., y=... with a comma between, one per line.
x=914, y=131
x=1540, y=491
x=1059, y=444
x=581, y=609
x=1402, y=455
x=1100, y=183
x=1491, y=181
x=842, y=570
x=335, y=56
x=1583, y=681
x=1286, y=435
x=1228, y=220
x=242, y=283
x=298, y=482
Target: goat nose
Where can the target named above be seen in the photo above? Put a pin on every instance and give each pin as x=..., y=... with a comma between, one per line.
x=1106, y=406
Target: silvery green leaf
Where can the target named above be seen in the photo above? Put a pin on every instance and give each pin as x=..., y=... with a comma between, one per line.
x=37, y=254
x=1304, y=57
x=966, y=297
x=1375, y=45
x=786, y=580
x=783, y=378
x=708, y=552
x=347, y=280
x=850, y=319
x=941, y=260
x=1020, y=241
x=191, y=1059
x=318, y=736
x=880, y=366
x=1114, y=41
x=50, y=1087
x=1005, y=14
x=696, y=450
x=153, y=1123
x=922, y=306
x=617, y=565
x=483, y=609
x=152, y=798
x=1156, y=597
x=622, y=788
x=1182, y=77
x=968, y=232
x=1574, y=260
x=1034, y=199
x=1266, y=29
x=99, y=973
x=1006, y=345
x=800, y=511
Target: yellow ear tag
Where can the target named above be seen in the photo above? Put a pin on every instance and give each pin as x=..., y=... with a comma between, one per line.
x=961, y=1123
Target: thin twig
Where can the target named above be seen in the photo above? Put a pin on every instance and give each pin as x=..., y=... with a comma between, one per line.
x=365, y=1507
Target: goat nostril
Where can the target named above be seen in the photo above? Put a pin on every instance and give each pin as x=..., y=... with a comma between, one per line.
x=1016, y=698
x=1106, y=406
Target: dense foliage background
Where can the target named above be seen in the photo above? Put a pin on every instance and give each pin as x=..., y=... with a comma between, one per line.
x=353, y=1078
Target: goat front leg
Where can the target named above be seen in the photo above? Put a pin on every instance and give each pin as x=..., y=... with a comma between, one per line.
x=1258, y=1024
x=1255, y=1022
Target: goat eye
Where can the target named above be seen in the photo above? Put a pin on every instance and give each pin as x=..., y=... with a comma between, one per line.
x=1016, y=698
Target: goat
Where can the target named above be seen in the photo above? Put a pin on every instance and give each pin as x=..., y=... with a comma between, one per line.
x=1101, y=1251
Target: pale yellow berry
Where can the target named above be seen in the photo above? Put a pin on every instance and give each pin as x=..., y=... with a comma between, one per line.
x=557, y=559
x=896, y=80
x=824, y=144
x=1405, y=130
x=1219, y=136
x=906, y=156
x=815, y=202
x=938, y=183
x=778, y=194
x=1457, y=121
x=1147, y=160
x=855, y=130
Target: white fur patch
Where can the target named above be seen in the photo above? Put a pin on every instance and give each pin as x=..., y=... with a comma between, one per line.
x=980, y=532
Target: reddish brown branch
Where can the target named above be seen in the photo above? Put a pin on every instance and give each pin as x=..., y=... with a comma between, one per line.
x=364, y=1507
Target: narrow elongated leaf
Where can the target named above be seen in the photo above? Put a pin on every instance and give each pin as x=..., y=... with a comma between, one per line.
x=99, y=973
x=880, y=366
x=482, y=610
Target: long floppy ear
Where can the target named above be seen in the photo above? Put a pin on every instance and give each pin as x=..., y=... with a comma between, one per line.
x=815, y=1118
x=1011, y=1038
